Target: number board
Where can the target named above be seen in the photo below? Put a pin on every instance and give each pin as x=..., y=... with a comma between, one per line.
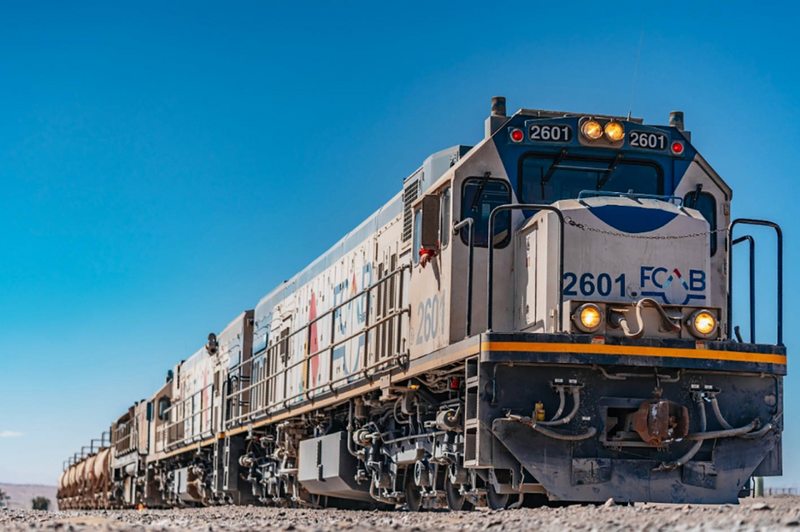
x=647, y=140
x=550, y=132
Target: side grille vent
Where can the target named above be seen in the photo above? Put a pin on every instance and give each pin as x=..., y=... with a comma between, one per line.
x=410, y=193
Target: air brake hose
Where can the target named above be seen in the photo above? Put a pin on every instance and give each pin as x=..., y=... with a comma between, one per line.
x=759, y=433
x=576, y=403
x=718, y=414
x=746, y=434
x=728, y=433
x=565, y=437
x=561, y=403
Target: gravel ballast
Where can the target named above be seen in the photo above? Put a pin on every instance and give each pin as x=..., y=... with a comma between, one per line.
x=769, y=513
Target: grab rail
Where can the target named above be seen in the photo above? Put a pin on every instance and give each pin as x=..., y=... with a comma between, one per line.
x=730, y=243
x=469, y=223
x=752, y=271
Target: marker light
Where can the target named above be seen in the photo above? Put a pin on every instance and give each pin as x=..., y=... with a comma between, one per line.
x=592, y=129
x=703, y=324
x=588, y=317
x=614, y=131
x=517, y=135
x=677, y=147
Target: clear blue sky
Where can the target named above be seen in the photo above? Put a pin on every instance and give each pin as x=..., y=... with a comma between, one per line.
x=165, y=164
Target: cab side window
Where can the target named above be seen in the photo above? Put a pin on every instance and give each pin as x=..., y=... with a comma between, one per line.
x=163, y=408
x=479, y=196
x=707, y=205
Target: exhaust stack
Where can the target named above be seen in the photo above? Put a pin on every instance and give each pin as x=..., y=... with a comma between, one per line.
x=498, y=117
x=676, y=119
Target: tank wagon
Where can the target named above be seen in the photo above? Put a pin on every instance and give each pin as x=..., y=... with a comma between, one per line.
x=545, y=315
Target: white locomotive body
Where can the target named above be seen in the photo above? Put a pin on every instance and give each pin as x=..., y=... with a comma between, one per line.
x=543, y=316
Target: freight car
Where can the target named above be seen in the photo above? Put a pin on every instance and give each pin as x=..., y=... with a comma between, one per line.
x=544, y=316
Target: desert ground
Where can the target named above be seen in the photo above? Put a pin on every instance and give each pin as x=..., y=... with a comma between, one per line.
x=21, y=495
x=769, y=513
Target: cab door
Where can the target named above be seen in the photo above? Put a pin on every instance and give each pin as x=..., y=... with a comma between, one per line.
x=430, y=278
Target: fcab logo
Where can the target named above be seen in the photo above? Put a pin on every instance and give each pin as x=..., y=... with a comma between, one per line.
x=671, y=286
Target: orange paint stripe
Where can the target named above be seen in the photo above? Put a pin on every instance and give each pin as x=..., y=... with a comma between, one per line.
x=604, y=349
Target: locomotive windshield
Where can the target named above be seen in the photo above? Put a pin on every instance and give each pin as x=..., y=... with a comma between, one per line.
x=549, y=178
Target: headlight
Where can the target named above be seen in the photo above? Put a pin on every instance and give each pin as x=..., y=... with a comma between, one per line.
x=703, y=324
x=588, y=317
x=615, y=131
x=592, y=129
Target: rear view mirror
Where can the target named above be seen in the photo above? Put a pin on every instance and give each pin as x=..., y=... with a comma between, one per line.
x=429, y=237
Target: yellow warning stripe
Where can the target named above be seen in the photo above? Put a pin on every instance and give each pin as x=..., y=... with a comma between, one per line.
x=631, y=350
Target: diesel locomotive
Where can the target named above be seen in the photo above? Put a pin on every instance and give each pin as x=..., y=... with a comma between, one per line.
x=544, y=316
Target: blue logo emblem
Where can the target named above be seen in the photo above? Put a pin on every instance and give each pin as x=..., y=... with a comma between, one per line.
x=671, y=286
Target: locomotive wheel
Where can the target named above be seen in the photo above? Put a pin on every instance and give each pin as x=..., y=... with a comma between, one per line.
x=455, y=500
x=413, y=493
x=496, y=501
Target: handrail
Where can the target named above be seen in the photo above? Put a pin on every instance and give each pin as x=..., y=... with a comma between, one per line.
x=396, y=359
x=752, y=253
x=83, y=454
x=470, y=224
x=490, y=268
x=308, y=357
x=283, y=372
x=332, y=310
x=259, y=386
x=779, y=235
x=182, y=411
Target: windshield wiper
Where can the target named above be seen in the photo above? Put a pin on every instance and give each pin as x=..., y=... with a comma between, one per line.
x=479, y=193
x=610, y=170
x=554, y=166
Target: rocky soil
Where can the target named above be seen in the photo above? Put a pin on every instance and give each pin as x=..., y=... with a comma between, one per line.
x=771, y=513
